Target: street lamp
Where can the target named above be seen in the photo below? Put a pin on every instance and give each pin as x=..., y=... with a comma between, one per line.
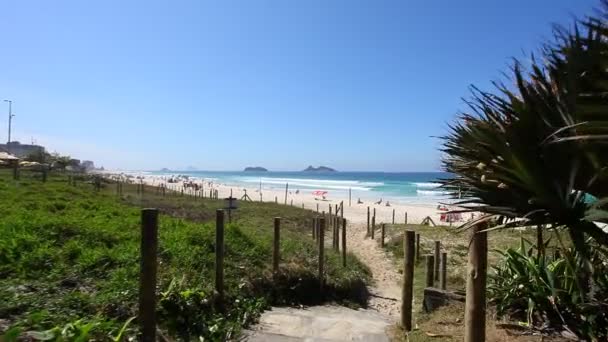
x=10, y=120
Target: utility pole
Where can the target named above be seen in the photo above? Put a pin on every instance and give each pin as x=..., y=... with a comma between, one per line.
x=10, y=120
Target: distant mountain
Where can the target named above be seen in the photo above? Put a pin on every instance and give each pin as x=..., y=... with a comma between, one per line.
x=255, y=168
x=164, y=169
x=311, y=168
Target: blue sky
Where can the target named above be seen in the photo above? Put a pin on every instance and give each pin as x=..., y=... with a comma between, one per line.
x=357, y=85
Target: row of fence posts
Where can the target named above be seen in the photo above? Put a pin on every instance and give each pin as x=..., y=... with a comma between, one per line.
x=149, y=249
x=162, y=189
x=436, y=271
x=435, y=263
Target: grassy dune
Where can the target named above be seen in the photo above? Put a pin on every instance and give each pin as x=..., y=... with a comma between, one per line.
x=71, y=255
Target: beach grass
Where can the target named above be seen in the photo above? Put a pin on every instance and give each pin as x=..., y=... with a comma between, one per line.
x=447, y=323
x=69, y=257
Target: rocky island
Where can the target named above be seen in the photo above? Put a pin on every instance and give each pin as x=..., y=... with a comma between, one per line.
x=321, y=168
x=255, y=168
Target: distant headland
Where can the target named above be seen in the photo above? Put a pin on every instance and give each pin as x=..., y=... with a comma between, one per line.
x=321, y=168
x=255, y=168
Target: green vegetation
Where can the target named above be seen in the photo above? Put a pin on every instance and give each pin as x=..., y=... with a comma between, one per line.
x=455, y=242
x=447, y=323
x=69, y=262
x=534, y=155
x=537, y=287
x=537, y=153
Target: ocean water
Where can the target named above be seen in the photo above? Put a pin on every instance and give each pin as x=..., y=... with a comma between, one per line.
x=409, y=187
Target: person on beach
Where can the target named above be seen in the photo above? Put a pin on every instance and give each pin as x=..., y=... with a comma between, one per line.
x=380, y=201
x=359, y=201
x=388, y=204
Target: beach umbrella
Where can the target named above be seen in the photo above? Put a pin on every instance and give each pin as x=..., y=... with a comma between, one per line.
x=7, y=156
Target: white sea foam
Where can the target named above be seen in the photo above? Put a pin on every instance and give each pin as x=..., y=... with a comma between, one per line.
x=426, y=185
x=432, y=192
x=314, y=183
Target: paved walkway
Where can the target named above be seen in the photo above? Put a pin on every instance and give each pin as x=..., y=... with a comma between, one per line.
x=320, y=323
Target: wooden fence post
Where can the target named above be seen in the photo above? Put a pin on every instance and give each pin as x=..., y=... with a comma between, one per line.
x=286, y=188
x=276, y=200
x=405, y=221
x=373, y=225
x=314, y=228
x=475, y=307
x=417, y=247
x=349, y=197
x=147, y=277
x=443, y=271
x=430, y=267
x=382, y=235
x=368, y=233
x=321, y=253
x=317, y=225
x=317, y=207
x=408, y=280
x=393, y=216
x=16, y=170
x=277, y=244
x=344, y=242
x=219, y=254
x=436, y=257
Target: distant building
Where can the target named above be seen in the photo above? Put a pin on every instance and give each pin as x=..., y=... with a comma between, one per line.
x=87, y=165
x=22, y=150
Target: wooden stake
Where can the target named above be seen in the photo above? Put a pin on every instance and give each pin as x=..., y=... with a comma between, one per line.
x=475, y=307
x=321, y=253
x=337, y=235
x=277, y=244
x=368, y=233
x=430, y=267
x=286, y=188
x=417, y=247
x=219, y=254
x=405, y=220
x=382, y=235
x=349, y=197
x=373, y=225
x=314, y=228
x=408, y=280
x=443, y=271
x=344, y=242
x=147, y=278
x=393, y=216
x=436, y=257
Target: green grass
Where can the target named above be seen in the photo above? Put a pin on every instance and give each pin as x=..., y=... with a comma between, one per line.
x=68, y=253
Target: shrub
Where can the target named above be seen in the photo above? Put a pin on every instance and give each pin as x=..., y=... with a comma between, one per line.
x=544, y=291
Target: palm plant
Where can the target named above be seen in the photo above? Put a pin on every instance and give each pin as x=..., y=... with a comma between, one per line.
x=537, y=152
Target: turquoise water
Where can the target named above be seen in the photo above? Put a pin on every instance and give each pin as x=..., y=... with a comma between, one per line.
x=401, y=186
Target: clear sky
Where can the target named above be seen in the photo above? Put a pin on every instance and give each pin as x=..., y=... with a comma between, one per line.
x=220, y=85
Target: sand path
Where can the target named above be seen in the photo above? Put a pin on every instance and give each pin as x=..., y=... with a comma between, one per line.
x=385, y=291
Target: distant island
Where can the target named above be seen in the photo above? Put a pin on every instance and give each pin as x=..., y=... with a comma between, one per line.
x=311, y=168
x=255, y=168
x=164, y=169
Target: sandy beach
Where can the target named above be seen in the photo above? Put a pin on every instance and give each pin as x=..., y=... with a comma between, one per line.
x=356, y=213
